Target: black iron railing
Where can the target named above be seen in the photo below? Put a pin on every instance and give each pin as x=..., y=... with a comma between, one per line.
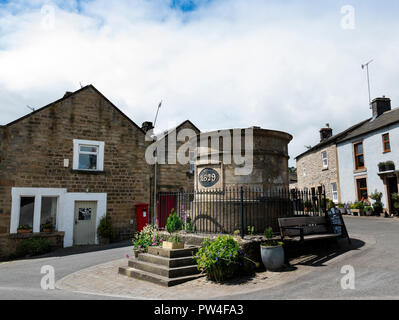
x=249, y=210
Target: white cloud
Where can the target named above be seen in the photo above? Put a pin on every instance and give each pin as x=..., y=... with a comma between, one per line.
x=230, y=63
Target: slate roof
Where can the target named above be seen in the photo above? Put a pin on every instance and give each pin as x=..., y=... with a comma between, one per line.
x=369, y=125
x=386, y=119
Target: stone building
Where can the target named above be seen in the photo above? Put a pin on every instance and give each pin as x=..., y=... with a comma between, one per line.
x=69, y=164
x=318, y=166
x=73, y=162
x=172, y=176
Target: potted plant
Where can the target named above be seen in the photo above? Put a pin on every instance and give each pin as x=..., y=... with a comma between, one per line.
x=386, y=166
x=395, y=198
x=47, y=227
x=358, y=208
x=148, y=237
x=24, y=229
x=381, y=167
x=105, y=231
x=173, y=225
x=378, y=206
x=272, y=252
x=341, y=208
x=389, y=166
x=368, y=210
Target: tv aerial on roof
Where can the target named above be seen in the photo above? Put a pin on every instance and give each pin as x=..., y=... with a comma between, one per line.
x=366, y=65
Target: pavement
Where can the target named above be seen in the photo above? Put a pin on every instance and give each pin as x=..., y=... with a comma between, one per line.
x=93, y=274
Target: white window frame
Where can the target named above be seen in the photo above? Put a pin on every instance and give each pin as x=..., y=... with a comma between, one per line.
x=100, y=156
x=324, y=160
x=334, y=193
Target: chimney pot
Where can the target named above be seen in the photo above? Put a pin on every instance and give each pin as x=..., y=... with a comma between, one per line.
x=147, y=126
x=380, y=106
x=326, y=132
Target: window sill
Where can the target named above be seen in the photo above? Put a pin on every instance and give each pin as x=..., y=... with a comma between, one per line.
x=360, y=170
x=324, y=169
x=88, y=171
x=386, y=152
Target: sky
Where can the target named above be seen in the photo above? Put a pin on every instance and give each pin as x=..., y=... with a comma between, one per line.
x=283, y=65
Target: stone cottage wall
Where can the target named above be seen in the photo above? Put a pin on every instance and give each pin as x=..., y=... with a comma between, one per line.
x=316, y=175
x=33, y=149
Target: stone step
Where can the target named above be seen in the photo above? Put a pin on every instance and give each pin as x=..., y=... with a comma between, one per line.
x=163, y=270
x=167, y=262
x=154, y=278
x=175, y=253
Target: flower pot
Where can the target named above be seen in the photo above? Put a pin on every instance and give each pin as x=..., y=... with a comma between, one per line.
x=172, y=245
x=24, y=231
x=272, y=257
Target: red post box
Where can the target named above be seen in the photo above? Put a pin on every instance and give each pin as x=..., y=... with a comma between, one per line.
x=142, y=215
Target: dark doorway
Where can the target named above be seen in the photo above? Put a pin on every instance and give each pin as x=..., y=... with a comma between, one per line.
x=392, y=186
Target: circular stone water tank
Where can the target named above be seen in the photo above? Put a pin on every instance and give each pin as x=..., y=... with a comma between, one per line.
x=258, y=159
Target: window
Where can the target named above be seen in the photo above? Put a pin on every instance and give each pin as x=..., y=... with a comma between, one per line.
x=303, y=169
x=386, y=143
x=26, y=211
x=48, y=213
x=324, y=159
x=334, y=191
x=88, y=155
x=359, y=156
x=362, y=189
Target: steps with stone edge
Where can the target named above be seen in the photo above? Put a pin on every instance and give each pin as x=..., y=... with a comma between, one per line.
x=163, y=266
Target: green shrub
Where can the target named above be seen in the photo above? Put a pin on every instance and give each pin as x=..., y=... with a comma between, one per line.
x=174, y=222
x=104, y=229
x=146, y=238
x=219, y=259
x=269, y=235
x=33, y=247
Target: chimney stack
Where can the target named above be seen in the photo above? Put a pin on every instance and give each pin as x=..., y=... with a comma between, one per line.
x=380, y=105
x=325, y=133
x=147, y=126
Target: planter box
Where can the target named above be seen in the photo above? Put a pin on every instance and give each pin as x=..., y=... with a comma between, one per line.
x=357, y=212
x=173, y=245
x=24, y=231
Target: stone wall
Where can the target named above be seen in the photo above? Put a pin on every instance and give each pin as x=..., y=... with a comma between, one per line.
x=316, y=175
x=33, y=149
x=173, y=177
x=9, y=243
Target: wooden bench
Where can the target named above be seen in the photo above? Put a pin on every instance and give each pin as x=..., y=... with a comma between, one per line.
x=311, y=228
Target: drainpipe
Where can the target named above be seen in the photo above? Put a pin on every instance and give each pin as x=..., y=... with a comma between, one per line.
x=155, y=187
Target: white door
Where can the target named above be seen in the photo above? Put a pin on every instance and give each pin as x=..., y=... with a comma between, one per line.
x=85, y=222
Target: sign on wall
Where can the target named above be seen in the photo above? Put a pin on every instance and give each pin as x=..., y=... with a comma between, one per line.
x=208, y=177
